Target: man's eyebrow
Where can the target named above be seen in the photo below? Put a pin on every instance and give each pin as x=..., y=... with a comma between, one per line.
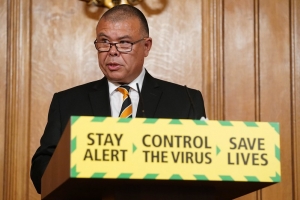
x=125, y=37
x=101, y=34
x=120, y=38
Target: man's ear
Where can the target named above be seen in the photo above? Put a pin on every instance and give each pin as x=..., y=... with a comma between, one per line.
x=147, y=46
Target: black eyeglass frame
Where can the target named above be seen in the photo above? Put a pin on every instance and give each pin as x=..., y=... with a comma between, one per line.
x=116, y=43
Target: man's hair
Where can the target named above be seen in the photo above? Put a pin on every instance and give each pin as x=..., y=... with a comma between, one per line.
x=123, y=12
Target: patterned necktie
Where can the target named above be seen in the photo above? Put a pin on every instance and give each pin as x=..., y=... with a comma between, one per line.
x=126, y=110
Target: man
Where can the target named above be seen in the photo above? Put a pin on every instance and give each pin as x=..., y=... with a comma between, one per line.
x=122, y=41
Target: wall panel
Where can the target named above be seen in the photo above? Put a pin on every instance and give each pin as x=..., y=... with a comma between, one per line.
x=275, y=85
x=295, y=83
x=212, y=58
x=3, y=68
x=16, y=165
x=239, y=63
x=239, y=73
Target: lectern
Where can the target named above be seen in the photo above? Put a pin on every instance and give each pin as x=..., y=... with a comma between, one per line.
x=146, y=158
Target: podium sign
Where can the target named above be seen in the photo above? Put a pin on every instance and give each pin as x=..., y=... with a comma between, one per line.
x=194, y=150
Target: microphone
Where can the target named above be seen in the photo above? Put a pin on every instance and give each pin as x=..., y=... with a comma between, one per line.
x=142, y=102
x=191, y=101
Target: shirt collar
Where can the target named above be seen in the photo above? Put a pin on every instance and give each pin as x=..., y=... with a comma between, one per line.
x=139, y=80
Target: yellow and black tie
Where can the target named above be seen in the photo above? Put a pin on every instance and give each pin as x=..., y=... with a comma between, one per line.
x=126, y=110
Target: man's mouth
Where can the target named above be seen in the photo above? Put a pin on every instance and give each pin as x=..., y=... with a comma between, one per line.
x=112, y=66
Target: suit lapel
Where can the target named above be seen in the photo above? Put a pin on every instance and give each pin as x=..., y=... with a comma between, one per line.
x=151, y=94
x=100, y=99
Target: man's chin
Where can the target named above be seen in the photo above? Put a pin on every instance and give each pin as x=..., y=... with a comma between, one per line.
x=119, y=80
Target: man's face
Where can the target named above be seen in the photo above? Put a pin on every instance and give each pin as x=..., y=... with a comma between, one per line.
x=122, y=67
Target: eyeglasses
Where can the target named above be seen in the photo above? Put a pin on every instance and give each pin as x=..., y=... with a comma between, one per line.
x=123, y=47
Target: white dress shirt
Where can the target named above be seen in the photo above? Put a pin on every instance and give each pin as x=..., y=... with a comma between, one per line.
x=116, y=97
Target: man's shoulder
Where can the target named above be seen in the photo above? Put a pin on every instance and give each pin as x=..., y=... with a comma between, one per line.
x=84, y=88
x=166, y=85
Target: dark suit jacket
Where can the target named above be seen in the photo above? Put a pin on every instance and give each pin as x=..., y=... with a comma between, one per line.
x=161, y=100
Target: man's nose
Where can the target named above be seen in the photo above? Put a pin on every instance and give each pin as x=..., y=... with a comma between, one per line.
x=113, y=51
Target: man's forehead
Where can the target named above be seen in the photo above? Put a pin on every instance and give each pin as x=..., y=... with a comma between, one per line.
x=124, y=28
x=113, y=22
